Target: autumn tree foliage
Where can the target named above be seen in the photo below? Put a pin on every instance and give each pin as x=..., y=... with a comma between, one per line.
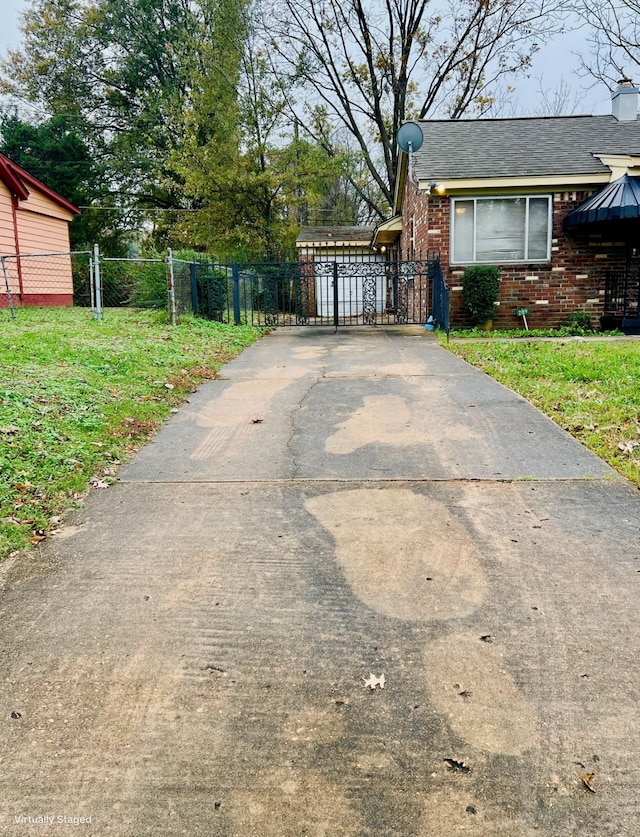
x=236, y=121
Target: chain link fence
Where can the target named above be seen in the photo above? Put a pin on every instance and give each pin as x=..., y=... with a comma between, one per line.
x=263, y=293
x=45, y=278
x=88, y=279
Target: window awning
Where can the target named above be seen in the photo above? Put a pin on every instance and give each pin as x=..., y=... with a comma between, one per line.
x=618, y=201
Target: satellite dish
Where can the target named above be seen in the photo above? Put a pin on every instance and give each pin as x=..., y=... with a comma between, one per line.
x=409, y=137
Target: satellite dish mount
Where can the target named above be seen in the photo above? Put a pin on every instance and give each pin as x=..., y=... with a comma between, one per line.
x=409, y=140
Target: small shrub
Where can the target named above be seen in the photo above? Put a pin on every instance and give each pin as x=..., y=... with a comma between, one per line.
x=579, y=321
x=480, y=291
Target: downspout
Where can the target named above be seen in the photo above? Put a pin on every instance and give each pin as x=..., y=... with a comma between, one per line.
x=14, y=207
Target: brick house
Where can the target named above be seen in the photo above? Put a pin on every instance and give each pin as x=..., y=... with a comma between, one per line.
x=33, y=220
x=553, y=202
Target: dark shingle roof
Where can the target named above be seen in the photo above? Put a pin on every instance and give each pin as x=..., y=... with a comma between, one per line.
x=337, y=234
x=554, y=145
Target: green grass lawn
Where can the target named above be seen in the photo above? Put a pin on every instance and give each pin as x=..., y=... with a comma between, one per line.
x=590, y=388
x=77, y=396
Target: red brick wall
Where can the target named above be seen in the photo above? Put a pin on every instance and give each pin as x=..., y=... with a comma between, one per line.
x=572, y=281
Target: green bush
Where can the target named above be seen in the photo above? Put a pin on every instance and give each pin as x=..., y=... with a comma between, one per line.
x=579, y=321
x=480, y=291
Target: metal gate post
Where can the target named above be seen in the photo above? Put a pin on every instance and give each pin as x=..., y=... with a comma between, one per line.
x=172, y=287
x=194, y=287
x=97, y=282
x=235, y=273
x=6, y=282
x=335, y=296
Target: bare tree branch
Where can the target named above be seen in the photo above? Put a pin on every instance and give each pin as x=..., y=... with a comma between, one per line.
x=614, y=39
x=369, y=65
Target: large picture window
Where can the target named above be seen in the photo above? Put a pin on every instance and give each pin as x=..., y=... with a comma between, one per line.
x=499, y=230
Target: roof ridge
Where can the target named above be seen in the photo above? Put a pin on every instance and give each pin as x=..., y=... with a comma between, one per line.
x=518, y=118
x=20, y=179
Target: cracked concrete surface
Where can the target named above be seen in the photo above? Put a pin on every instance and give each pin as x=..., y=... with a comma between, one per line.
x=189, y=658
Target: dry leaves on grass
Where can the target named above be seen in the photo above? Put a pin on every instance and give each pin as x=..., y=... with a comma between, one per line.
x=131, y=427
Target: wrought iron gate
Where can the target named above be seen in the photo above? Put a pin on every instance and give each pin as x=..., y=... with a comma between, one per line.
x=322, y=293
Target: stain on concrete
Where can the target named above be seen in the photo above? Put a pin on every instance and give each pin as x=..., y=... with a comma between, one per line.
x=470, y=686
x=403, y=555
x=315, y=727
x=287, y=802
x=232, y=412
x=457, y=812
x=381, y=418
x=309, y=353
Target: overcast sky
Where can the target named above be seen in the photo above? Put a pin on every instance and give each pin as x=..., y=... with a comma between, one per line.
x=553, y=63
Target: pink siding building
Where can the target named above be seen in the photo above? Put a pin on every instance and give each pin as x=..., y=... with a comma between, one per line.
x=33, y=219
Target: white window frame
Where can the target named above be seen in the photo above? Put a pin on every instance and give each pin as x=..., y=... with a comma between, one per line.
x=476, y=200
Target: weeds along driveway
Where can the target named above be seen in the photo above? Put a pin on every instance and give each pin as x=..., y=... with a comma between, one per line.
x=192, y=655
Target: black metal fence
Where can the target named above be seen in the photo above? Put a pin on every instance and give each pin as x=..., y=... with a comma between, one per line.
x=328, y=292
x=622, y=294
x=330, y=289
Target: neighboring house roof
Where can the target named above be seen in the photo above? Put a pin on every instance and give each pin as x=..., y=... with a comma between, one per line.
x=18, y=181
x=524, y=147
x=387, y=231
x=334, y=235
x=617, y=201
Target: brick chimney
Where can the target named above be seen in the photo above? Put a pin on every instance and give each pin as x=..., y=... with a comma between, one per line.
x=624, y=101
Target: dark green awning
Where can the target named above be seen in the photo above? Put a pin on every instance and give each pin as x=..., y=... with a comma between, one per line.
x=617, y=201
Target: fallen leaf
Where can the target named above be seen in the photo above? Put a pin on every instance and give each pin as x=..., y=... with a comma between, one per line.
x=486, y=638
x=465, y=694
x=9, y=429
x=587, y=779
x=36, y=538
x=372, y=681
x=169, y=386
x=13, y=520
x=459, y=766
x=100, y=484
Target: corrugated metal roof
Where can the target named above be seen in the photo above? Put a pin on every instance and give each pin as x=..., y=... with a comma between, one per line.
x=493, y=148
x=334, y=234
x=615, y=202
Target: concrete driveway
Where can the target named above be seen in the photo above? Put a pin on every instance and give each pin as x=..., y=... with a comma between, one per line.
x=195, y=653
